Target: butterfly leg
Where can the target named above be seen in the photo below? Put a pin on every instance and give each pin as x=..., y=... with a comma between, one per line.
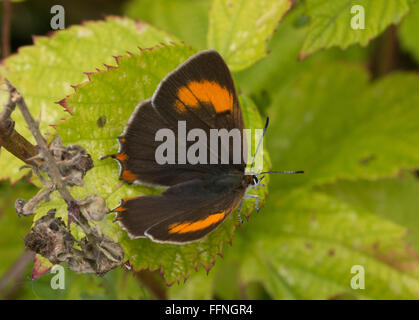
x=257, y=187
x=254, y=196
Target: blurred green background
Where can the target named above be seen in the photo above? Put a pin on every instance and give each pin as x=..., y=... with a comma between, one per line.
x=348, y=114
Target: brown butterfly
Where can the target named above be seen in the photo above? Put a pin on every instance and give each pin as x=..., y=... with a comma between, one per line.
x=199, y=197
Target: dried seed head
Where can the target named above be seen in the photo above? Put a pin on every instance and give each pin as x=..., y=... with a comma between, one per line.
x=93, y=207
x=50, y=238
x=73, y=161
x=19, y=205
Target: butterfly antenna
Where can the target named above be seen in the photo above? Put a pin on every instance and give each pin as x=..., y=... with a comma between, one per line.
x=260, y=142
x=289, y=172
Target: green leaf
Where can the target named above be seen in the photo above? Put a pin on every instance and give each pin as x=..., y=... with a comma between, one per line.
x=186, y=19
x=44, y=72
x=394, y=199
x=239, y=29
x=282, y=61
x=330, y=122
x=262, y=80
x=330, y=22
x=409, y=30
x=108, y=96
x=303, y=246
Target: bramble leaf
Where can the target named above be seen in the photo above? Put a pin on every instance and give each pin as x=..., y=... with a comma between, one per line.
x=43, y=73
x=239, y=29
x=394, y=199
x=330, y=122
x=304, y=244
x=186, y=19
x=263, y=79
x=330, y=22
x=311, y=242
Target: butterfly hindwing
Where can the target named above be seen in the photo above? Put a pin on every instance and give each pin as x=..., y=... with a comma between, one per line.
x=183, y=213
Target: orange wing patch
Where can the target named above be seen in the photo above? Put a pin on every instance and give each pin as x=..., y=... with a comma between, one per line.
x=186, y=97
x=186, y=227
x=206, y=91
x=122, y=156
x=129, y=199
x=119, y=209
x=128, y=176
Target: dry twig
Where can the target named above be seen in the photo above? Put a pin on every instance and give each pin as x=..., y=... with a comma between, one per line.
x=12, y=140
x=66, y=166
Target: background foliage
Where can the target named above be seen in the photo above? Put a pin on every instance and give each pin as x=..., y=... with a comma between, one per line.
x=348, y=115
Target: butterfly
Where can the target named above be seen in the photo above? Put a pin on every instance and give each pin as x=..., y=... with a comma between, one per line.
x=200, y=94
